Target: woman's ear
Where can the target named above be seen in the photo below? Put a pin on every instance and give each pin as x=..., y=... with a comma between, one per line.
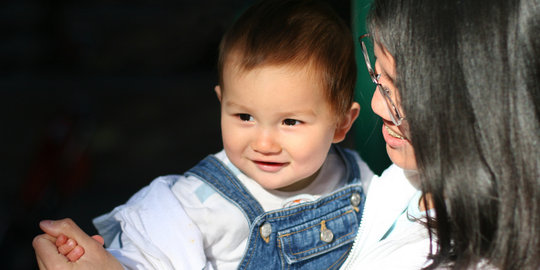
x=217, y=88
x=345, y=123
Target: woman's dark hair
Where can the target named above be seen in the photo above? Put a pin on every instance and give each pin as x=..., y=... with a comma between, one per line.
x=468, y=74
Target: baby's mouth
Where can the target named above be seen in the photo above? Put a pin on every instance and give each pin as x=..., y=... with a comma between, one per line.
x=270, y=167
x=269, y=163
x=393, y=133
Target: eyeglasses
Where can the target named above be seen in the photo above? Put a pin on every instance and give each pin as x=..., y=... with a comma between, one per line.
x=393, y=110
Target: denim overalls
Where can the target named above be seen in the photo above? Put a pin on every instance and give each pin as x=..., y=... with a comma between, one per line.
x=311, y=235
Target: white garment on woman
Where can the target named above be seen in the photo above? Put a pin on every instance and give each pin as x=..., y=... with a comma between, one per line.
x=391, y=234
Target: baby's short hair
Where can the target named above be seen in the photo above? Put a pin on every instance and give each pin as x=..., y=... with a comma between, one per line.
x=295, y=32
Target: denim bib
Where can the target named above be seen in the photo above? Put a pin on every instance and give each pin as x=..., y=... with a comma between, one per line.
x=310, y=235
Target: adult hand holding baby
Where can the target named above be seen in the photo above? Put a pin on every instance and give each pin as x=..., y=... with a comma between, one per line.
x=61, y=245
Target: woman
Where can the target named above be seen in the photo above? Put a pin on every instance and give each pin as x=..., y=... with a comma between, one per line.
x=458, y=92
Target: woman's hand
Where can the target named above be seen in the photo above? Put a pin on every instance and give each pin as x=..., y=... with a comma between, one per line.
x=65, y=246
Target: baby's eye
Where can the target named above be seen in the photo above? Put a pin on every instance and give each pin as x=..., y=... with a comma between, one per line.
x=291, y=122
x=245, y=117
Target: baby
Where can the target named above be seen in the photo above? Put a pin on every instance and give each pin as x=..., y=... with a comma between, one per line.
x=281, y=194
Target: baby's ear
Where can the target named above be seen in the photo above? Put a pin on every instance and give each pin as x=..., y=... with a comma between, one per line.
x=345, y=123
x=217, y=88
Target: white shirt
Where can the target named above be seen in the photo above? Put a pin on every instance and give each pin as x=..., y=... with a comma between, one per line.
x=224, y=228
x=391, y=212
x=178, y=222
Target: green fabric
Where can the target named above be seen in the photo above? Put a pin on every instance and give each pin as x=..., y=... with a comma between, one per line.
x=367, y=134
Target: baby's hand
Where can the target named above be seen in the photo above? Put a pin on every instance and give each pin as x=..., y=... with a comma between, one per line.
x=48, y=254
x=69, y=247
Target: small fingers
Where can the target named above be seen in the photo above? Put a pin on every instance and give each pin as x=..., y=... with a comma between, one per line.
x=68, y=228
x=99, y=238
x=67, y=247
x=61, y=240
x=75, y=254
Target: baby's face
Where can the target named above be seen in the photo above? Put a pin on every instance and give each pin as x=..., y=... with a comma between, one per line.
x=277, y=126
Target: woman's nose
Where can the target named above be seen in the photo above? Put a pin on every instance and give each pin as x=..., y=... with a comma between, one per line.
x=378, y=104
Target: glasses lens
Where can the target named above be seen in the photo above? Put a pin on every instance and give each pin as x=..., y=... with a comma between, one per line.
x=393, y=111
x=368, y=62
x=395, y=116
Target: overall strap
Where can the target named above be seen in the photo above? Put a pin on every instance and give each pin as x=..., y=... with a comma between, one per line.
x=214, y=173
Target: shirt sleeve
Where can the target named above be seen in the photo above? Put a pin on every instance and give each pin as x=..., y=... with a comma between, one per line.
x=152, y=231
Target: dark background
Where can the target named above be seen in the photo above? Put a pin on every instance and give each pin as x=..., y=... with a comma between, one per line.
x=99, y=97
